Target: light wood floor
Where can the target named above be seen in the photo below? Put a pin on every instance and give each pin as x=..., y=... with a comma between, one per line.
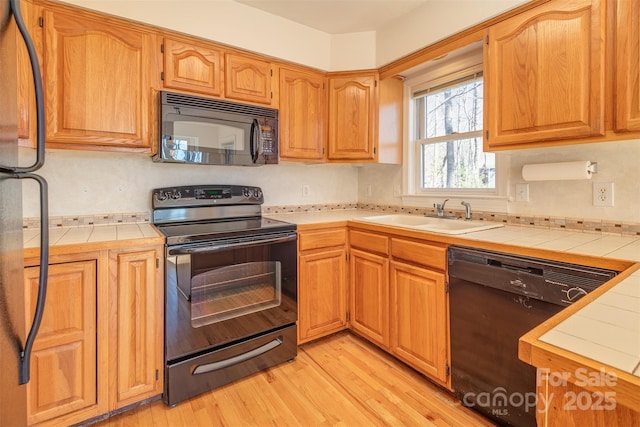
x=337, y=381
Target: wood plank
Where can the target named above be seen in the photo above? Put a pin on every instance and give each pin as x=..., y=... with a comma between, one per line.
x=338, y=380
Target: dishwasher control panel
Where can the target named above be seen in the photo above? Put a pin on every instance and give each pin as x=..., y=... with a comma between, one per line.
x=546, y=280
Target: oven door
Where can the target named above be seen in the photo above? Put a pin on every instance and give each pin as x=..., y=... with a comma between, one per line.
x=223, y=292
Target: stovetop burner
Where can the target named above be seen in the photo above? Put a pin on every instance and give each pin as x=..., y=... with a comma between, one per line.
x=202, y=213
x=203, y=231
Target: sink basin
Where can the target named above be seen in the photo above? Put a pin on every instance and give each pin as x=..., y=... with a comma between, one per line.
x=432, y=224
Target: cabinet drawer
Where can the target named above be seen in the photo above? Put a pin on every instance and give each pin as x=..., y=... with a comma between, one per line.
x=429, y=255
x=369, y=242
x=322, y=239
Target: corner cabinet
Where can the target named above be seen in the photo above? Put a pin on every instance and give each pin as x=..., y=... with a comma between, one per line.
x=627, y=66
x=545, y=75
x=353, y=102
x=191, y=66
x=137, y=309
x=97, y=77
x=322, y=283
x=303, y=115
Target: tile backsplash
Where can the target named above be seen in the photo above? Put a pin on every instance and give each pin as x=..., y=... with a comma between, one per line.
x=574, y=224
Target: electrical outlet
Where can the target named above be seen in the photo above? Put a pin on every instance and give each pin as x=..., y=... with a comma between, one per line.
x=603, y=194
x=522, y=192
x=305, y=190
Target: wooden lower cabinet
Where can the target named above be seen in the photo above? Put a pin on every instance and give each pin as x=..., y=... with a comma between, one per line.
x=563, y=403
x=137, y=308
x=419, y=318
x=369, y=306
x=100, y=343
x=322, y=283
x=64, y=372
x=399, y=299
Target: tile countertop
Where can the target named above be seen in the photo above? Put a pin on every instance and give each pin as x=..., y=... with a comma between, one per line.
x=60, y=236
x=606, y=330
x=625, y=248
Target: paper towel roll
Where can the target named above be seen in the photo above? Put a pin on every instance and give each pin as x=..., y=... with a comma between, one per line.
x=557, y=171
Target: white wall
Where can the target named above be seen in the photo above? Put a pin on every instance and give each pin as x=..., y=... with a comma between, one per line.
x=227, y=22
x=434, y=21
x=236, y=24
x=618, y=162
x=86, y=182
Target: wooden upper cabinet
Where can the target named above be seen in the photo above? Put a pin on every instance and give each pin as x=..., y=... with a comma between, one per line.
x=627, y=66
x=97, y=81
x=192, y=67
x=248, y=79
x=352, y=117
x=303, y=105
x=545, y=75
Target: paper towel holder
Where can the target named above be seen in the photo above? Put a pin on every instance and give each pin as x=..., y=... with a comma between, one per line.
x=559, y=171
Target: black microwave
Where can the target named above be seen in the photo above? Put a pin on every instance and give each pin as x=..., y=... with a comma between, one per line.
x=208, y=131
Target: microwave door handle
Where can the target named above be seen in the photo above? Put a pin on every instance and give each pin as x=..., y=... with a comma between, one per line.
x=255, y=140
x=25, y=355
x=14, y=5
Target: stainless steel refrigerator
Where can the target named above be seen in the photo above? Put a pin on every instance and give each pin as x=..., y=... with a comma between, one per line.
x=18, y=326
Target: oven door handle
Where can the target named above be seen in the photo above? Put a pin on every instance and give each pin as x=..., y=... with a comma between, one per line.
x=215, y=366
x=225, y=246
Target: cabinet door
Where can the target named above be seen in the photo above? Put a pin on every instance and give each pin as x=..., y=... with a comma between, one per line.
x=97, y=82
x=544, y=75
x=322, y=294
x=302, y=115
x=352, y=117
x=418, y=319
x=627, y=66
x=64, y=373
x=137, y=329
x=369, y=306
x=192, y=67
x=248, y=79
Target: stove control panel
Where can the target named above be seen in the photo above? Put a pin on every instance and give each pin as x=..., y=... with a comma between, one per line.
x=206, y=195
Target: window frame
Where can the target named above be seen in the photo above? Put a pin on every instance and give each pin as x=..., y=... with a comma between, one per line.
x=439, y=73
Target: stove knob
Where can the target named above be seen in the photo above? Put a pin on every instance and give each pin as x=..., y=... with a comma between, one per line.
x=257, y=193
x=246, y=192
x=176, y=195
x=162, y=196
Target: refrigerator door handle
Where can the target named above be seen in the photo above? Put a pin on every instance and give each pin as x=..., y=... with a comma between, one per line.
x=14, y=6
x=25, y=355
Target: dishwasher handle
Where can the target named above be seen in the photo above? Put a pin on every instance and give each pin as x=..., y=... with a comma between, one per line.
x=516, y=268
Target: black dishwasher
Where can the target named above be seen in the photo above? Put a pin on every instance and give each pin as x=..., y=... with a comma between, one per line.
x=495, y=298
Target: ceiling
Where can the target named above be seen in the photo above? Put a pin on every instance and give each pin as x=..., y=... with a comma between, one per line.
x=338, y=16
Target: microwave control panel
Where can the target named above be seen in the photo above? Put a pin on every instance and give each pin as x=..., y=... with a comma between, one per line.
x=267, y=139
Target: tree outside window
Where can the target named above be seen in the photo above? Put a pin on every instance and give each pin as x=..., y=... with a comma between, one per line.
x=448, y=132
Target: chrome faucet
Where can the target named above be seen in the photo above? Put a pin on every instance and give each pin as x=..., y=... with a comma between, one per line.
x=467, y=210
x=440, y=207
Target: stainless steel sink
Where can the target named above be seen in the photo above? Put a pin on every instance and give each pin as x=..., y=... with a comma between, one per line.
x=431, y=224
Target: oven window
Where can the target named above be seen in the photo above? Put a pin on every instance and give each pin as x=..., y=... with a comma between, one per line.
x=234, y=290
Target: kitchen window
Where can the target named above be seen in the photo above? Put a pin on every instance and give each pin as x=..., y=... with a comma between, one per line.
x=445, y=156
